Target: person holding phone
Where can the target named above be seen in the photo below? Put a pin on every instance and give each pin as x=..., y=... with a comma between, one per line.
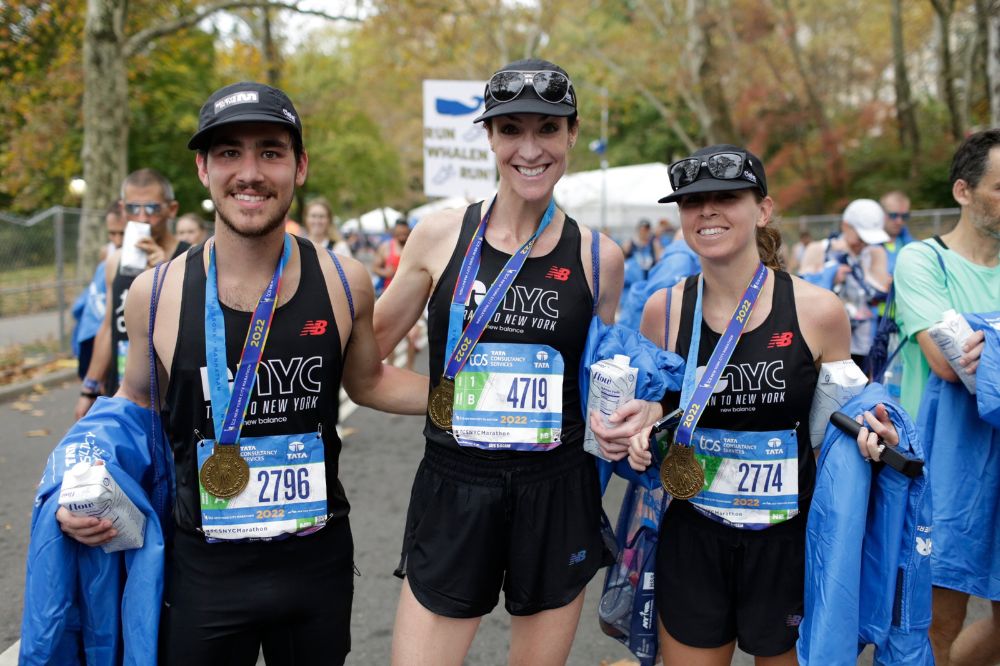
x=147, y=197
x=731, y=558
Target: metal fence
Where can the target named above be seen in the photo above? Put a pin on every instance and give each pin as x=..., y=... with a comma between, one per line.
x=42, y=268
x=41, y=272
x=922, y=224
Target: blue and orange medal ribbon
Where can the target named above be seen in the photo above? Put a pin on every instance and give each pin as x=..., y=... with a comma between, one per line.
x=225, y=473
x=460, y=342
x=680, y=473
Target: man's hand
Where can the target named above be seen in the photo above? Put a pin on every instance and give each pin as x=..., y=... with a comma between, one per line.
x=87, y=530
x=154, y=253
x=973, y=349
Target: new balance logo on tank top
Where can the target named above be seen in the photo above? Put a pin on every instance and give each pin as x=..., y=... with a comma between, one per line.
x=545, y=315
x=297, y=388
x=764, y=393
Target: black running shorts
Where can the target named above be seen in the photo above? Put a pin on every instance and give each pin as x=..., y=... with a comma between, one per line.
x=223, y=602
x=532, y=527
x=716, y=583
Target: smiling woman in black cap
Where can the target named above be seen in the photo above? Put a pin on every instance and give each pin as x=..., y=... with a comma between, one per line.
x=505, y=497
x=731, y=560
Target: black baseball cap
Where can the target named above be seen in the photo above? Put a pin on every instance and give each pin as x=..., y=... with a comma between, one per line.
x=528, y=101
x=750, y=176
x=244, y=102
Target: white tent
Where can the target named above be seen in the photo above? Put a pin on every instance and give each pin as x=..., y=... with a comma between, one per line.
x=416, y=214
x=373, y=222
x=632, y=194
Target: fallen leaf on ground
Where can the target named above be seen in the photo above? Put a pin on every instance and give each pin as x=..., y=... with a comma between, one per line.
x=38, y=412
x=41, y=432
x=21, y=406
x=347, y=432
x=38, y=388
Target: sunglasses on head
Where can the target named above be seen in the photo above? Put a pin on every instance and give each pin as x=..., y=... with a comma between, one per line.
x=894, y=215
x=552, y=87
x=727, y=165
x=151, y=208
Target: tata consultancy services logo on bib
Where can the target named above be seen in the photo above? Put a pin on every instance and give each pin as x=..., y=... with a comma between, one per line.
x=296, y=451
x=542, y=355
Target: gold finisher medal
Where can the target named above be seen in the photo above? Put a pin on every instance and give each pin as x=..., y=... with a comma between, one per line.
x=439, y=406
x=680, y=473
x=225, y=474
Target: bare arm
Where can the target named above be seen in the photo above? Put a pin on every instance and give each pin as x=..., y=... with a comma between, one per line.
x=823, y=321
x=367, y=380
x=878, y=271
x=100, y=360
x=424, y=258
x=935, y=359
x=812, y=258
x=827, y=331
x=135, y=386
x=379, y=266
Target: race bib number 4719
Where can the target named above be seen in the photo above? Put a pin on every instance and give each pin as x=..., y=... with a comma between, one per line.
x=509, y=396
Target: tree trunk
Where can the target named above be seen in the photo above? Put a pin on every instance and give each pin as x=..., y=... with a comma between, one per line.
x=272, y=58
x=833, y=179
x=105, y=115
x=909, y=133
x=713, y=95
x=696, y=53
x=946, y=75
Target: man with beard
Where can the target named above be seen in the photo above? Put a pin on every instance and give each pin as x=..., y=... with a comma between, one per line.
x=957, y=271
x=262, y=554
x=897, y=213
x=146, y=196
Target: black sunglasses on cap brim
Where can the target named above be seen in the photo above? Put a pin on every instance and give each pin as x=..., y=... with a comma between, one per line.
x=552, y=87
x=727, y=165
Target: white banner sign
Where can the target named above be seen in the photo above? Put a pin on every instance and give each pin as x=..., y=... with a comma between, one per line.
x=457, y=156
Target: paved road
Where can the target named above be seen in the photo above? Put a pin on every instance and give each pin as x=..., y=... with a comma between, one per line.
x=378, y=463
x=25, y=329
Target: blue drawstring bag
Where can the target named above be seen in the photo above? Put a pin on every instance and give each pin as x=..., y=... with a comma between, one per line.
x=627, y=610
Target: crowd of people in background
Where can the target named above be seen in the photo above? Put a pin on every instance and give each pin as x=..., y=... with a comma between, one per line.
x=507, y=498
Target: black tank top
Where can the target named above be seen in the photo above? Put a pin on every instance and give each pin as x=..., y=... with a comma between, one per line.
x=769, y=380
x=119, y=292
x=297, y=388
x=549, y=303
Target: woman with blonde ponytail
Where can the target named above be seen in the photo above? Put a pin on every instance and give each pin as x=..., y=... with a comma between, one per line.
x=731, y=559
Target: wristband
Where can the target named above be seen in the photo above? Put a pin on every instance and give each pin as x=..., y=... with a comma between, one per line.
x=90, y=394
x=91, y=385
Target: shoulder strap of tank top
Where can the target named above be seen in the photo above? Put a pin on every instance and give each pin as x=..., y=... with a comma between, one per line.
x=595, y=256
x=161, y=488
x=343, y=279
x=939, y=257
x=666, y=323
